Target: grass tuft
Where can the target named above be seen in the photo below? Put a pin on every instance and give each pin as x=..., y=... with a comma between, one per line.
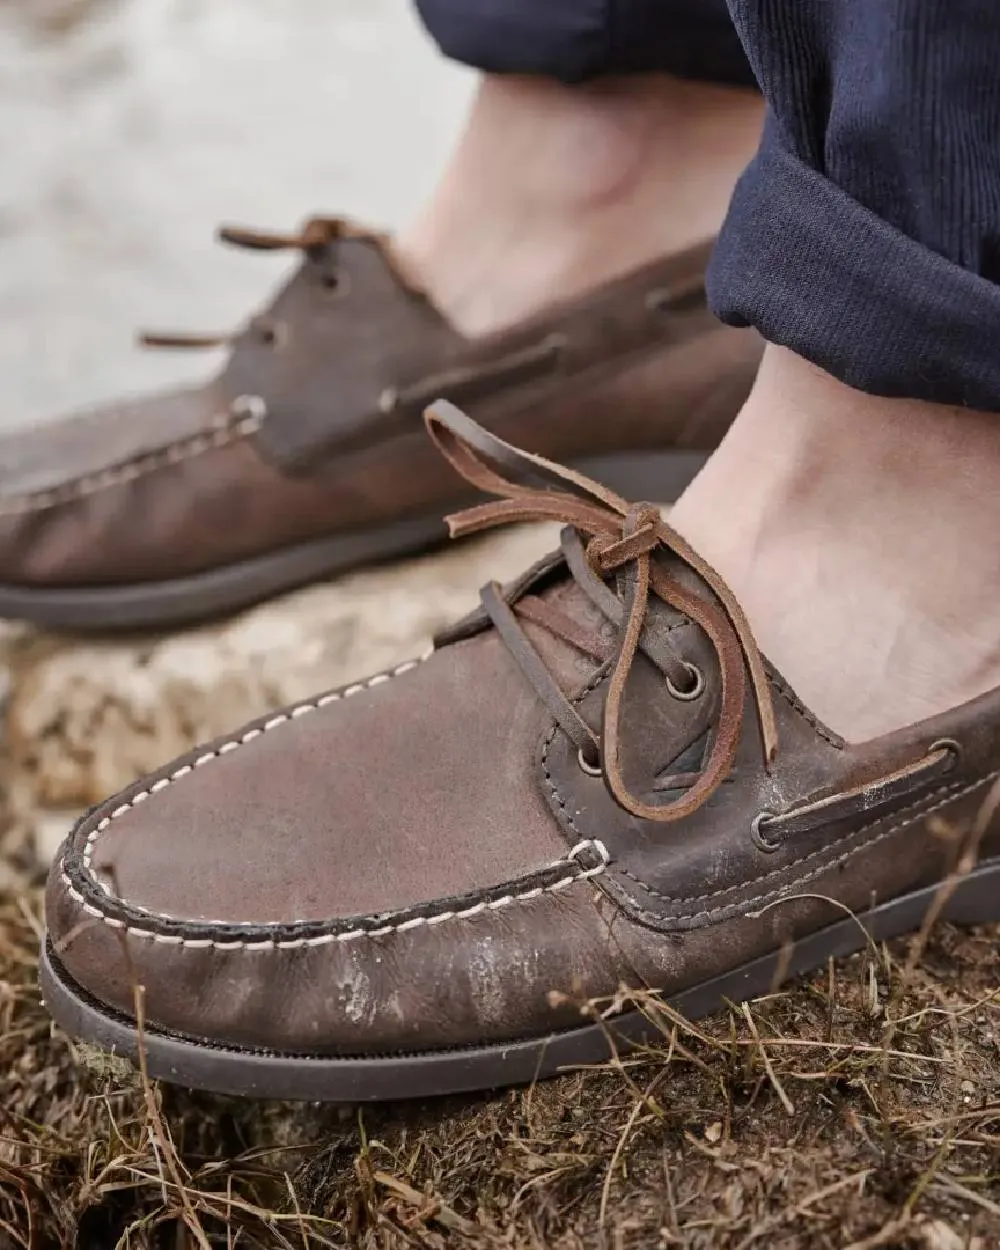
x=860, y=1108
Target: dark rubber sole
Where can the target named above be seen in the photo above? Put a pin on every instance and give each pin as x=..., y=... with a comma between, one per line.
x=317, y=1078
x=659, y=475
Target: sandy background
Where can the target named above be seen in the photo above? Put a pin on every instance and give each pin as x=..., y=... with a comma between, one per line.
x=130, y=128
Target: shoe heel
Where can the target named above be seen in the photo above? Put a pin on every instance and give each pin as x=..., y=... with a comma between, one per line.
x=976, y=899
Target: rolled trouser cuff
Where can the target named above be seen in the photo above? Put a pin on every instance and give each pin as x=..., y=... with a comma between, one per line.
x=577, y=40
x=688, y=38
x=816, y=272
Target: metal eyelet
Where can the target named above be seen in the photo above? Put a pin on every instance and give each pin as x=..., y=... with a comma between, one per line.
x=556, y=345
x=688, y=696
x=757, y=836
x=335, y=285
x=271, y=333
x=949, y=745
x=249, y=408
x=592, y=770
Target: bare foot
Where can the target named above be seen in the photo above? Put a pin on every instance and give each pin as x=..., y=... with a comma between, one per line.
x=859, y=534
x=554, y=189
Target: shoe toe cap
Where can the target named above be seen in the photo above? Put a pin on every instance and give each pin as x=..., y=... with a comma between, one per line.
x=67, y=487
x=319, y=882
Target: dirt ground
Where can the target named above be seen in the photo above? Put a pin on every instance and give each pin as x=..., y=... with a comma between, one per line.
x=859, y=1109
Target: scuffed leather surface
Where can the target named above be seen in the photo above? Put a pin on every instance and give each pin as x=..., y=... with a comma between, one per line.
x=47, y=456
x=346, y=329
x=372, y=803
x=707, y=869
x=335, y=351
x=482, y=979
x=398, y=809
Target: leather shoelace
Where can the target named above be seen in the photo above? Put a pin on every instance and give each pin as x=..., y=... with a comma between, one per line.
x=316, y=235
x=621, y=539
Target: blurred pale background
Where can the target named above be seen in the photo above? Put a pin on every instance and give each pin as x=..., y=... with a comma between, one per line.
x=130, y=128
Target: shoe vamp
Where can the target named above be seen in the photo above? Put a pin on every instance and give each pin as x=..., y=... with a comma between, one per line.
x=412, y=789
x=53, y=453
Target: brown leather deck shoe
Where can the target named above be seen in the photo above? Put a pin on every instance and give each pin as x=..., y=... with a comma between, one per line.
x=306, y=455
x=409, y=885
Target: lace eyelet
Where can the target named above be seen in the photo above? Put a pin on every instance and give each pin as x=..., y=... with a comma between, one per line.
x=951, y=747
x=249, y=408
x=758, y=837
x=272, y=334
x=592, y=770
x=334, y=284
x=696, y=691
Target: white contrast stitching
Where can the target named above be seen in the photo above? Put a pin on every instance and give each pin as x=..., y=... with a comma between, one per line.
x=224, y=429
x=354, y=935
x=739, y=904
x=508, y=900
x=945, y=794
x=283, y=718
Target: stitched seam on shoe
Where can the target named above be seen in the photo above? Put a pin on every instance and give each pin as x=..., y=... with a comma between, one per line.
x=788, y=695
x=591, y=685
x=948, y=793
x=741, y=905
x=230, y=745
x=599, y=676
x=944, y=794
x=223, y=431
x=381, y=928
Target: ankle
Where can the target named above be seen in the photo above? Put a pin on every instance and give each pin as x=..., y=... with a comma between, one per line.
x=554, y=189
x=852, y=532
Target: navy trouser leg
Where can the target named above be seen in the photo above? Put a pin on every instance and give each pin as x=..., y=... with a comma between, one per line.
x=574, y=40
x=866, y=233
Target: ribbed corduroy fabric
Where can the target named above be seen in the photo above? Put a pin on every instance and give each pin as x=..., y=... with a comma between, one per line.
x=574, y=40
x=865, y=235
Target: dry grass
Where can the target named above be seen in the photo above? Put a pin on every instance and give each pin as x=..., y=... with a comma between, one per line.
x=861, y=1109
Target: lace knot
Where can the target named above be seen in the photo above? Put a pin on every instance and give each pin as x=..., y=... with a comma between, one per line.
x=638, y=536
x=620, y=537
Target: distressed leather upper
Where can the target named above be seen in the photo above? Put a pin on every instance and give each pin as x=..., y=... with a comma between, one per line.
x=431, y=858
x=313, y=425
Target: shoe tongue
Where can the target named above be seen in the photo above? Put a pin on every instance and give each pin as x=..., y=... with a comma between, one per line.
x=551, y=581
x=569, y=665
x=330, y=356
x=571, y=602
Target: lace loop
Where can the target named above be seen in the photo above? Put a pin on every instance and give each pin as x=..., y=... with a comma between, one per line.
x=314, y=238
x=186, y=342
x=621, y=540
x=316, y=232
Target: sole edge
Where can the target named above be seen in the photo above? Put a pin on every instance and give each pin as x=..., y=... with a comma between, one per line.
x=316, y=1078
x=234, y=587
